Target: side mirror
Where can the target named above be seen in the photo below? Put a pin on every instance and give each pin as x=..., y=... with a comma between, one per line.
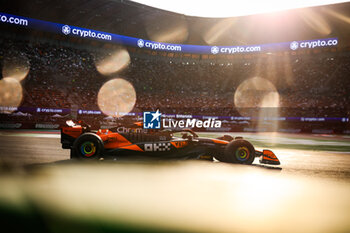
x=70, y=123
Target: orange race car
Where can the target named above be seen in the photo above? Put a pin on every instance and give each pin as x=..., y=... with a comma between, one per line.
x=133, y=141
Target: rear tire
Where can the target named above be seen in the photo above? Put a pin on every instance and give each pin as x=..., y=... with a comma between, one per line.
x=239, y=151
x=87, y=146
x=72, y=154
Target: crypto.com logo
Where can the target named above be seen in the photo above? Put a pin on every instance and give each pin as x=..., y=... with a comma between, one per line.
x=66, y=29
x=140, y=43
x=214, y=50
x=294, y=45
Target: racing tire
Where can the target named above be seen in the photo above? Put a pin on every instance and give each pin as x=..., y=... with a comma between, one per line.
x=87, y=146
x=218, y=155
x=239, y=151
x=72, y=154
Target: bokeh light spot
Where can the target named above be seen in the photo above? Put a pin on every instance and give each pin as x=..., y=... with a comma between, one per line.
x=112, y=62
x=257, y=97
x=256, y=92
x=16, y=65
x=10, y=94
x=116, y=97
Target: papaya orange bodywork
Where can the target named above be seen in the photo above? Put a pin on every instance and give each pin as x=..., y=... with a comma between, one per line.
x=220, y=141
x=74, y=131
x=113, y=140
x=179, y=144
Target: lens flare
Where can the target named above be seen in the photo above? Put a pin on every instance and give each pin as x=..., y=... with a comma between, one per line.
x=337, y=15
x=116, y=97
x=10, y=94
x=112, y=62
x=315, y=21
x=218, y=31
x=167, y=30
x=16, y=65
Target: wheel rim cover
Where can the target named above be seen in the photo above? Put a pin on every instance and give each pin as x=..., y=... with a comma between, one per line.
x=242, y=153
x=88, y=149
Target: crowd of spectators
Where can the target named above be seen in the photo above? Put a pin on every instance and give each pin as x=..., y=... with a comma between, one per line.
x=62, y=76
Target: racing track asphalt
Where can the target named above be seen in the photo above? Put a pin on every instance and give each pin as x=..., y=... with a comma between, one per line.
x=19, y=148
x=309, y=192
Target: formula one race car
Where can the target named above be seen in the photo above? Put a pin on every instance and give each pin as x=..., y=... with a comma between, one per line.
x=133, y=140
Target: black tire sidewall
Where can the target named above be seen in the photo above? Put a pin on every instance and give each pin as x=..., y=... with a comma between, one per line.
x=233, y=146
x=88, y=137
x=72, y=154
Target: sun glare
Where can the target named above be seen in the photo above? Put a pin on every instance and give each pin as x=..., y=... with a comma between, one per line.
x=229, y=8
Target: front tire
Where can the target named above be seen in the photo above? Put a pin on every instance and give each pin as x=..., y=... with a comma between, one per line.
x=87, y=146
x=239, y=151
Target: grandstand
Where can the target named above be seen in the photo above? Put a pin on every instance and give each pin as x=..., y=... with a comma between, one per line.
x=63, y=71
